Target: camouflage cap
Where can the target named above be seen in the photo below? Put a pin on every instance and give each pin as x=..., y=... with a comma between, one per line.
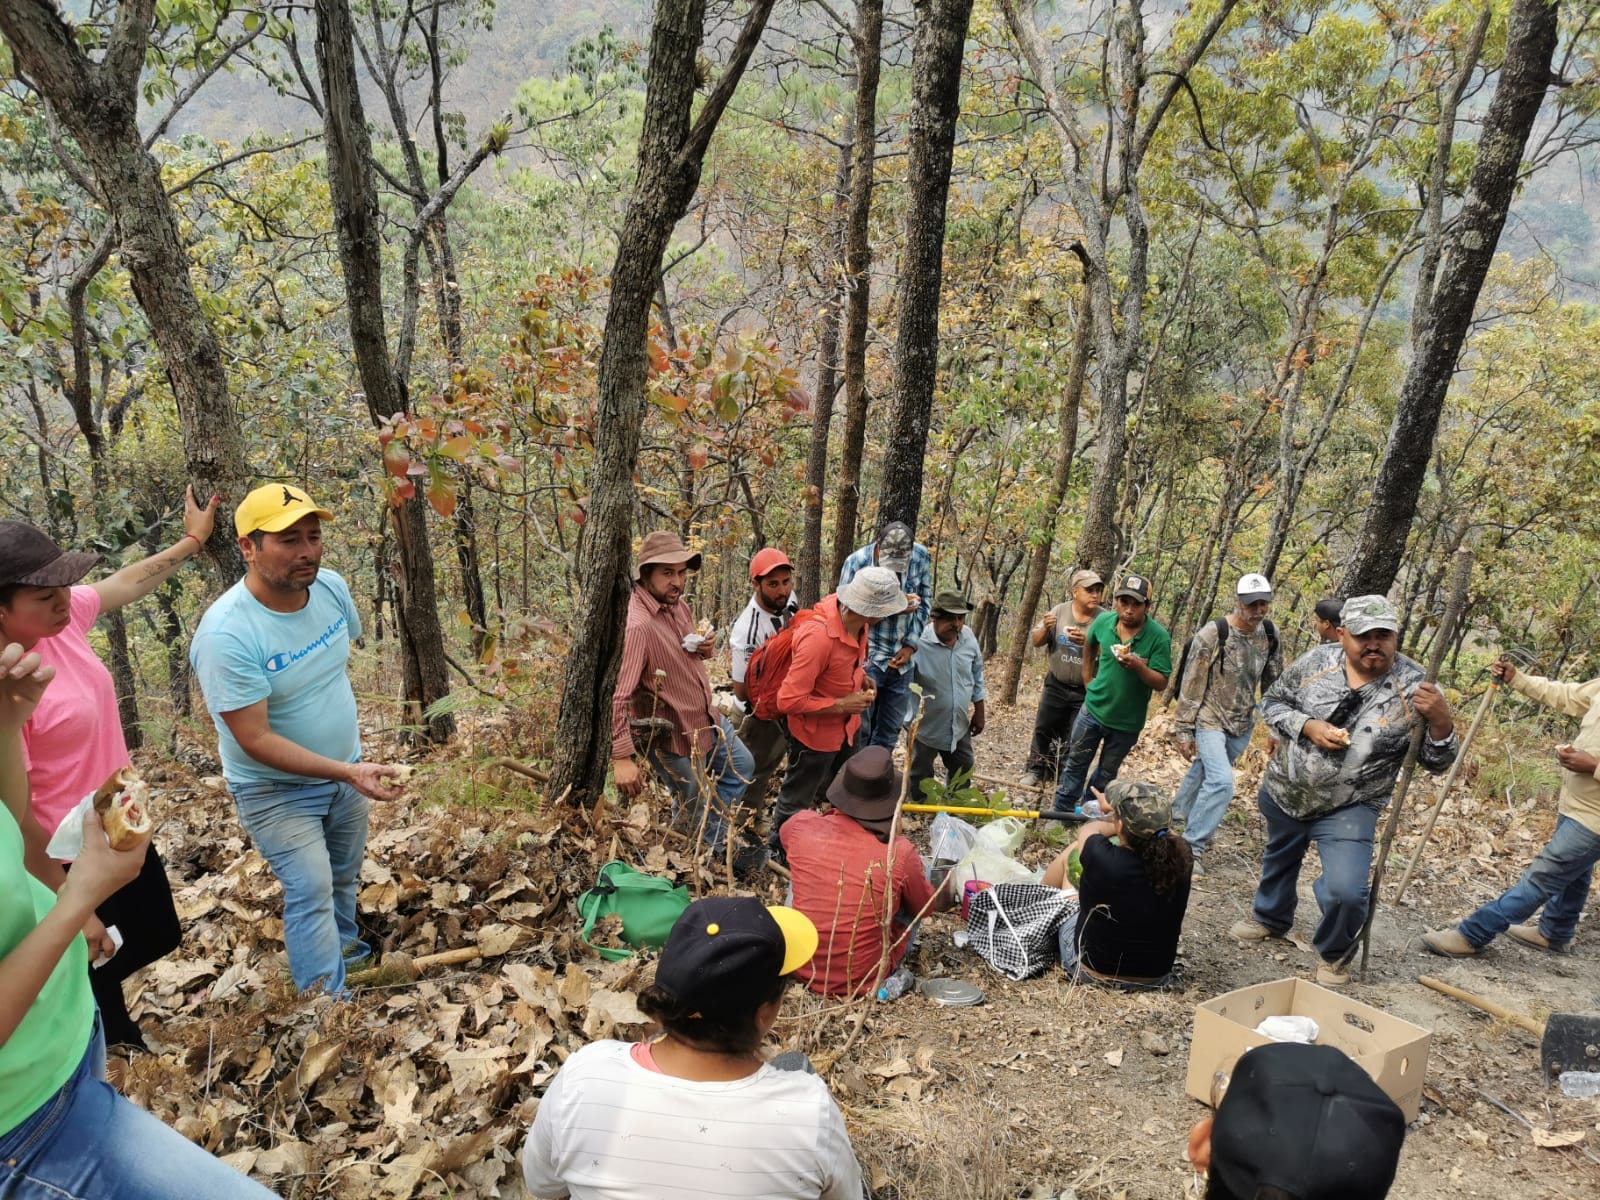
x=1362, y=614
x=1144, y=809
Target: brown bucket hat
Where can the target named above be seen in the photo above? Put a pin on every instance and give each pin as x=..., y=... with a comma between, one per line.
x=867, y=787
x=663, y=547
x=30, y=556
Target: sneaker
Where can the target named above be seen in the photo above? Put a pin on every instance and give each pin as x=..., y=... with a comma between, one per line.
x=1031, y=779
x=1333, y=974
x=1449, y=942
x=1199, y=869
x=1249, y=930
x=1529, y=935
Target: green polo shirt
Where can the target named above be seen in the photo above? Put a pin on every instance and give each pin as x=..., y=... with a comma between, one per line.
x=1117, y=698
x=46, y=1048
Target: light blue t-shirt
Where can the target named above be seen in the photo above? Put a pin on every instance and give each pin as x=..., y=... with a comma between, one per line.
x=244, y=653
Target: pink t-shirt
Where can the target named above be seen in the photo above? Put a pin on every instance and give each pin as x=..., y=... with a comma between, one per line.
x=73, y=741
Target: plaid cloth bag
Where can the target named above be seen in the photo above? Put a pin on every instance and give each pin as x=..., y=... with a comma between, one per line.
x=1015, y=926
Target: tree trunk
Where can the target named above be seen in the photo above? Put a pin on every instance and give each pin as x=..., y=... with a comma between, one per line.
x=941, y=39
x=809, y=565
x=1060, y=476
x=1524, y=75
x=1100, y=178
x=355, y=209
x=671, y=152
x=868, y=44
x=120, y=663
x=98, y=104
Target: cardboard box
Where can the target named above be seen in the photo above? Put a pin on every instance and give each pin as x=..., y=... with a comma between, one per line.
x=1392, y=1051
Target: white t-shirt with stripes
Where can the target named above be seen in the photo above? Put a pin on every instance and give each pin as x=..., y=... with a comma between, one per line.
x=609, y=1128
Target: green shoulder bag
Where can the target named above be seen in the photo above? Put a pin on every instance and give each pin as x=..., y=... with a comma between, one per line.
x=648, y=905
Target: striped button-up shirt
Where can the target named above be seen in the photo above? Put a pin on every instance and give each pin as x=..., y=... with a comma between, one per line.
x=885, y=639
x=654, y=642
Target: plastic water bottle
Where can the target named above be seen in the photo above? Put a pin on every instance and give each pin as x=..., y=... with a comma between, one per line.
x=1573, y=1083
x=897, y=985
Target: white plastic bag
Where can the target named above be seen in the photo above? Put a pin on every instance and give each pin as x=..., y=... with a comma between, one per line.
x=1291, y=1028
x=990, y=858
x=66, y=843
x=950, y=838
x=1005, y=834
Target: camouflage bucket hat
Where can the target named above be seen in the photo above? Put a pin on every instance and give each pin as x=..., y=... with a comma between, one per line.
x=1144, y=808
x=1362, y=614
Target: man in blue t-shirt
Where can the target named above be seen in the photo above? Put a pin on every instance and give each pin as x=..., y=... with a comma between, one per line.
x=271, y=657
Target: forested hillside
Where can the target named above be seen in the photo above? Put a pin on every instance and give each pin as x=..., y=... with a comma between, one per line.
x=1289, y=191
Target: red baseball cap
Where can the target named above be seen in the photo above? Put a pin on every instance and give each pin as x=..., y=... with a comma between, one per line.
x=767, y=561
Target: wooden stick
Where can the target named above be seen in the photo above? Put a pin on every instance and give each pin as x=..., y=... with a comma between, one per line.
x=1460, y=579
x=1444, y=789
x=1482, y=1005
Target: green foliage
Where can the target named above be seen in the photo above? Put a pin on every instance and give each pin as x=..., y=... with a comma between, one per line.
x=960, y=792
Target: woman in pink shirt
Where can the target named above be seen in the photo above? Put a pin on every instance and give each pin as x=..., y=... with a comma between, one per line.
x=73, y=742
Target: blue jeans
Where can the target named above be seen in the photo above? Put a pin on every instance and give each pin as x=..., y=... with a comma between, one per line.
x=880, y=724
x=1344, y=842
x=1207, y=790
x=88, y=1143
x=313, y=834
x=1088, y=736
x=1557, y=879
x=728, y=767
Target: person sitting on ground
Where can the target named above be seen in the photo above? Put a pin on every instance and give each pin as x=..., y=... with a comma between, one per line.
x=838, y=862
x=1133, y=894
x=64, y=1131
x=1298, y=1123
x=696, y=1111
x=1325, y=619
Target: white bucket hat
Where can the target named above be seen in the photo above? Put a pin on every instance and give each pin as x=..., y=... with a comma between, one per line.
x=874, y=592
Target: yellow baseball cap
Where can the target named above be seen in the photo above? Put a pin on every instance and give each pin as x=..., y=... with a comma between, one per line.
x=273, y=507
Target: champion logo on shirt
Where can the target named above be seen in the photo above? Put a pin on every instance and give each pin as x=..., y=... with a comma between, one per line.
x=285, y=658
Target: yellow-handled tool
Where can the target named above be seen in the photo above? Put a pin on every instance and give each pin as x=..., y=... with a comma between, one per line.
x=974, y=811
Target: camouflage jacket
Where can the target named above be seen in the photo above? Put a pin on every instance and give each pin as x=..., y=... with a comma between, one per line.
x=1222, y=694
x=1307, y=781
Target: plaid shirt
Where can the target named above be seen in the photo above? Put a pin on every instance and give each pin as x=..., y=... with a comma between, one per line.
x=886, y=637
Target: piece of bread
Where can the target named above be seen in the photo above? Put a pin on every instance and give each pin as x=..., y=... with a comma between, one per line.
x=123, y=802
x=398, y=774
x=1343, y=735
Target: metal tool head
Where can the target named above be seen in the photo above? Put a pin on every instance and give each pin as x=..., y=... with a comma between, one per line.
x=1571, y=1043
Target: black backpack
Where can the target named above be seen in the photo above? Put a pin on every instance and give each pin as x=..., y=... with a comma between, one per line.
x=1222, y=628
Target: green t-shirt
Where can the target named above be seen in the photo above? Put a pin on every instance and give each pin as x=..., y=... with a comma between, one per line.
x=1117, y=698
x=46, y=1048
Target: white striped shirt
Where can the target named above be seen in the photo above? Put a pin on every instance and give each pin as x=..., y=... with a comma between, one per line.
x=611, y=1129
x=752, y=627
